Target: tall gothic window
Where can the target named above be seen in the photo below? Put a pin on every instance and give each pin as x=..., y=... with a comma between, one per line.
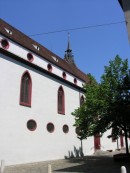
x=81, y=100
x=26, y=89
x=61, y=101
x=112, y=133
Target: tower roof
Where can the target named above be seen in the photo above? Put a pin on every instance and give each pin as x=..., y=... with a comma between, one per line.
x=68, y=48
x=68, y=57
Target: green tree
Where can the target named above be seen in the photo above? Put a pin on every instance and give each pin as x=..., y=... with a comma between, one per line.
x=106, y=104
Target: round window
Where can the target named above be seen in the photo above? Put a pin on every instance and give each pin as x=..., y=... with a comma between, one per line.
x=49, y=67
x=65, y=128
x=50, y=127
x=64, y=75
x=31, y=125
x=4, y=43
x=75, y=80
x=30, y=57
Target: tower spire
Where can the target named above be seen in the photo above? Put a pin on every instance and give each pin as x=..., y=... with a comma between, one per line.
x=68, y=57
x=68, y=41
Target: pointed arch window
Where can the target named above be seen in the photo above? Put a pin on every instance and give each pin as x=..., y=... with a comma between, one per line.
x=26, y=89
x=112, y=134
x=81, y=100
x=61, y=101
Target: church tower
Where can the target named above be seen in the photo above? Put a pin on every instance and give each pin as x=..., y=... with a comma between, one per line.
x=68, y=57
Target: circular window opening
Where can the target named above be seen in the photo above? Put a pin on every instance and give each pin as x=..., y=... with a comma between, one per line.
x=75, y=80
x=31, y=125
x=64, y=75
x=65, y=128
x=5, y=44
x=30, y=57
x=49, y=67
x=50, y=127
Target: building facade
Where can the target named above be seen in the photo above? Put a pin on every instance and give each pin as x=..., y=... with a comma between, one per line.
x=125, y=5
x=39, y=91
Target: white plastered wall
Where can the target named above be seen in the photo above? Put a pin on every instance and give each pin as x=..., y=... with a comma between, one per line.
x=18, y=144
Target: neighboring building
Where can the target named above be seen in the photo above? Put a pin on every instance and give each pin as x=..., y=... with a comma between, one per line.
x=125, y=5
x=38, y=93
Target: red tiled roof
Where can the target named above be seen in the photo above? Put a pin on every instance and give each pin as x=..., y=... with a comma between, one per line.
x=28, y=43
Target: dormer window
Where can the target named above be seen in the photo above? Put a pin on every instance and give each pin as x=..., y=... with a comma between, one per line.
x=30, y=57
x=36, y=47
x=49, y=67
x=8, y=31
x=54, y=58
x=4, y=44
x=64, y=75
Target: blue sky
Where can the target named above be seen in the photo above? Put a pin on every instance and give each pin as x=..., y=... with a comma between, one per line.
x=92, y=47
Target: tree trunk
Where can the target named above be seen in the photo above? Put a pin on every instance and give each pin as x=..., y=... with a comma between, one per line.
x=126, y=139
x=81, y=149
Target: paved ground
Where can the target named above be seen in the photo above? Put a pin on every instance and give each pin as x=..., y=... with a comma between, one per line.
x=99, y=163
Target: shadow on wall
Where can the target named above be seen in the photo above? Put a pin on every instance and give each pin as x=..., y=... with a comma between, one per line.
x=75, y=153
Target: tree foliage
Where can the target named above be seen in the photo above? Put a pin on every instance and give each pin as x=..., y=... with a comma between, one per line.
x=104, y=107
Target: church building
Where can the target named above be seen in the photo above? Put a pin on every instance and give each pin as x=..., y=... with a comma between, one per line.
x=38, y=92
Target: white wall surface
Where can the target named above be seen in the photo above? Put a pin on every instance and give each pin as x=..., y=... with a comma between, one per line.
x=18, y=144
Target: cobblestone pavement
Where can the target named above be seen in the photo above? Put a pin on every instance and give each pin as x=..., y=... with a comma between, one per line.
x=90, y=164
